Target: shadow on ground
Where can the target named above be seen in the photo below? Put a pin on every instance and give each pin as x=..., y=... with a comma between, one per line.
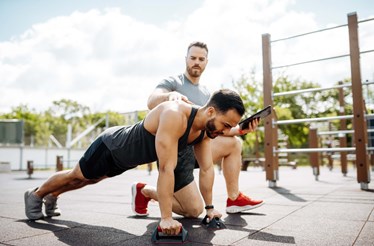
x=287, y=194
x=74, y=233
x=236, y=222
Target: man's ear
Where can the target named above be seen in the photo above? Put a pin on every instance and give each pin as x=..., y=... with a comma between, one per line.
x=211, y=111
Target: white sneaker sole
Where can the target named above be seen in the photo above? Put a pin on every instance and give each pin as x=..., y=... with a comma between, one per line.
x=238, y=209
x=53, y=214
x=133, y=193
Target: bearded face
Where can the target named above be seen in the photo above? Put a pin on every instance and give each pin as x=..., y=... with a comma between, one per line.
x=221, y=123
x=211, y=129
x=196, y=61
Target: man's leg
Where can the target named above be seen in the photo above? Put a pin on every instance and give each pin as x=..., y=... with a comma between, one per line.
x=64, y=181
x=58, y=183
x=186, y=202
x=228, y=150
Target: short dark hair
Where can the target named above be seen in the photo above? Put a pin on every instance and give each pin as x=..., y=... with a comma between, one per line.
x=198, y=44
x=225, y=99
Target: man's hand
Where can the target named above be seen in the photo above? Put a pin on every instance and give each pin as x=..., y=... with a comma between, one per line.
x=251, y=127
x=176, y=96
x=212, y=213
x=170, y=226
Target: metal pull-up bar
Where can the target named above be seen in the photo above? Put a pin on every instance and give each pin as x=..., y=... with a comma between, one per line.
x=287, y=93
x=308, y=120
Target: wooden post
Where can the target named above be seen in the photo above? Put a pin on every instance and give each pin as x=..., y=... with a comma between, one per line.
x=257, y=151
x=321, y=156
x=275, y=144
x=342, y=137
x=59, y=163
x=370, y=122
x=150, y=167
x=360, y=132
x=330, y=145
x=314, y=156
x=270, y=145
x=30, y=168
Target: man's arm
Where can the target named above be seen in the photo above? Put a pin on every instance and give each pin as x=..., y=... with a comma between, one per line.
x=206, y=175
x=236, y=131
x=170, y=128
x=160, y=95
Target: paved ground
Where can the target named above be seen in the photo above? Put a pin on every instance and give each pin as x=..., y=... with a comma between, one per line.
x=301, y=211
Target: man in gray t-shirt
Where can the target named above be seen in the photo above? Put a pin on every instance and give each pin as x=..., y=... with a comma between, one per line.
x=225, y=149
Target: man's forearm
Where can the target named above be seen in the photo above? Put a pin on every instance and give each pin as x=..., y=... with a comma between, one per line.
x=206, y=179
x=157, y=98
x=165, y=192
x=235, y=131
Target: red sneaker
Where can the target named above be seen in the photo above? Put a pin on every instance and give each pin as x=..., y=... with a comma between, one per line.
x=139, y=201
x=242, y=203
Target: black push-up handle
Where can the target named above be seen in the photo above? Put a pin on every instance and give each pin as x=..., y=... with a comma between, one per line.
x=159, y=237
x=216, y=223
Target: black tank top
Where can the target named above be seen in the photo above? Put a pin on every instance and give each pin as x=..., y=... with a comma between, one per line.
x=134, y=145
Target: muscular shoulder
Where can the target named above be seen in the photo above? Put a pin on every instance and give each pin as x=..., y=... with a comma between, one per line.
x=169, y=114
x=175, y=109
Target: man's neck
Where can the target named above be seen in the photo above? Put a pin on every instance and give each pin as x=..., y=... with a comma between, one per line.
x=194, y=80
x=200, y=120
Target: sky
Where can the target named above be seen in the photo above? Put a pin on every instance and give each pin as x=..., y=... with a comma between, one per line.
x=109, y=55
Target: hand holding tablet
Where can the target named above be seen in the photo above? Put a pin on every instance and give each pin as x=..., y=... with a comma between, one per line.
x=244, y=124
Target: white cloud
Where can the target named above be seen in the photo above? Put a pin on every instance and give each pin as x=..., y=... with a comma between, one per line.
x=105, y=60
x=110, y=61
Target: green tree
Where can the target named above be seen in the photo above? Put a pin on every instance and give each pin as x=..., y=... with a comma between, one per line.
x=297, y=106
x=287, y=107
x=38, y=127
x=67, y=112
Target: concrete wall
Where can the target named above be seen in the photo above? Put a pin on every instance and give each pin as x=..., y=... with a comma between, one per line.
x=41, y=157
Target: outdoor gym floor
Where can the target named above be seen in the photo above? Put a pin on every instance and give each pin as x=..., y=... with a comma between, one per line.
x=301, y=211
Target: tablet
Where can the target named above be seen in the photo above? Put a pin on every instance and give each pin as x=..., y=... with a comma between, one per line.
x=244, y=124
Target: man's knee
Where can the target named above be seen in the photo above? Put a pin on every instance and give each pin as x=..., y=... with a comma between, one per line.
x=194, y=211
x=189, y=201
x=76, y=178
x=238, y=143
x=227, y=145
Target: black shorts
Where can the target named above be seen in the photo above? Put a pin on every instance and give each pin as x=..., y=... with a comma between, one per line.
x=183, y=172
x=98, y=162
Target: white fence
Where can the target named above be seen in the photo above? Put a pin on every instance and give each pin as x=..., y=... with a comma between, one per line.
x=42, y=157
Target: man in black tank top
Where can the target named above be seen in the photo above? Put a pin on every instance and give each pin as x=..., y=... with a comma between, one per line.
x=167, y=129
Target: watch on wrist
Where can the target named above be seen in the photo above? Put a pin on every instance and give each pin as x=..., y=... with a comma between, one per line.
x=209, y=206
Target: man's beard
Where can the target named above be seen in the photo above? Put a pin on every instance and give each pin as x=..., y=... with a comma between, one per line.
x=193, y=72
x=210, y=129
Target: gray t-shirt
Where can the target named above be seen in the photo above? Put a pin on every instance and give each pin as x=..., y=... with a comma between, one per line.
x=198, y=94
